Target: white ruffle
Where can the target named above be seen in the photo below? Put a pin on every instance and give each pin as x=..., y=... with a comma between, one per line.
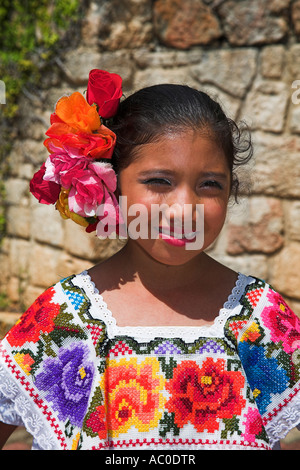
x=100, y=311
x=18, y=410
x=286, y=419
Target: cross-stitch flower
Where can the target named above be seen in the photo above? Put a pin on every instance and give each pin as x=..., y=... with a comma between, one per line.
x=253, y=425
x=133, y=395
x=283, y=323
x=67, y=380
x=265, y=376
x=38, y=319
x=205, y=395
x=97, y=422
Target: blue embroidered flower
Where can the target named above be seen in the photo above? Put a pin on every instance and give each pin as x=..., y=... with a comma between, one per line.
x=264, y=375
x=67, y=381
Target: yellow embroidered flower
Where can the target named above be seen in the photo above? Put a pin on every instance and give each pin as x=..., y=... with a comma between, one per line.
x=252, y=333
x=25, y=361
x=133, y=395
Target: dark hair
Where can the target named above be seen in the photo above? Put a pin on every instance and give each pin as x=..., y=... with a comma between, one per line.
x=154, y=111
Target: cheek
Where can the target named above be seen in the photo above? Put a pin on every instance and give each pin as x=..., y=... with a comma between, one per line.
x=215, y=213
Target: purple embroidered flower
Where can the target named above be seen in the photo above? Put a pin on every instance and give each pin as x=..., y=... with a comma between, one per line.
x=167, y=347
x=67, y=381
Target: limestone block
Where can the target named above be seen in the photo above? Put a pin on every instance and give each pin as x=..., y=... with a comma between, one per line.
x=47, y=226
x=292, y=219
x=184, y=24
x=293, y=62
x=26, y=151
x=259, y=228
x=272, y=61
x=266, y=105
x=79, y=62
x=230, y=70
x=294, y=120
x=155, y=76
x=16, y=192
x=249, y=22
x=277, y=166
x=19, y=257
x=44, y=265
x=69, y=265
x=18, y=221
x=285, y=273
x=296, y=16
x=88, y=246
x=146, y=58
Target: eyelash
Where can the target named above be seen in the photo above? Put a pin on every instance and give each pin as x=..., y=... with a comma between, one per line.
x=157, y=181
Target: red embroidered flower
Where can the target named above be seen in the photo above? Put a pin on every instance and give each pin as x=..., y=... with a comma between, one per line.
x=36, y=320
x=283, y=323
x=97, y=422
x=205, y=395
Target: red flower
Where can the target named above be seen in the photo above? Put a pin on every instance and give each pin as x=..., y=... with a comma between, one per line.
x=36, y=320
x=104, y=89
x=204, y=396
x=46, y=192
x=97, y=422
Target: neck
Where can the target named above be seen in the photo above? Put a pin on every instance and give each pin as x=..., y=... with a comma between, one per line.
x=154, y=275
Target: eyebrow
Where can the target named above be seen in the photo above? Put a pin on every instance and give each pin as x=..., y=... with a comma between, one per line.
x=168, y=172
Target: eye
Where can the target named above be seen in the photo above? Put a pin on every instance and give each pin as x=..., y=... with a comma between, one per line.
x=212, y=184
x=157, y=182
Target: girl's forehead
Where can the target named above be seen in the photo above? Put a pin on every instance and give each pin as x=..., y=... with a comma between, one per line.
x=178, y=150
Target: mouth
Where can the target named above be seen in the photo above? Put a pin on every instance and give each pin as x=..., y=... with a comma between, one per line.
x=176, y=235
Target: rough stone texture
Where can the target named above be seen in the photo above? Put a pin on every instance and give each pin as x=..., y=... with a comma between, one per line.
x=184, y=24
x=246, y=54
x=254, y=22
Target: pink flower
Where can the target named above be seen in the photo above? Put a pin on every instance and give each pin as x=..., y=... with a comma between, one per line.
x=63, y=160
x=283, y=323
x=254, y=425
x=87, y=187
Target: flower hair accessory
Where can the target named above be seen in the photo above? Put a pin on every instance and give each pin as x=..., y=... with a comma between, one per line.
x=77, y=176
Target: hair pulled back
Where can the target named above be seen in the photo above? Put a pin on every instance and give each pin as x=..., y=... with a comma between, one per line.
x=152, y=112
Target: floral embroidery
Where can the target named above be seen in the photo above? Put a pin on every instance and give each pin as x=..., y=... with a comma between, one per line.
x=67, y=381
x=283, y=324
x=36, y=320
x=97, y=390
x=263, y=373
x=133, y=395
x=205, y=395
x=254, y=425
x=25, y=361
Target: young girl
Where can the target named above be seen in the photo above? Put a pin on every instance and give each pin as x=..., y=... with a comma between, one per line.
x=160, y=346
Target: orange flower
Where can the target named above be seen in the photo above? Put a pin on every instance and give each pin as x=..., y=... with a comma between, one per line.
x=133, y=394
x=75, y=111
x=100, y=144
x=63, y=207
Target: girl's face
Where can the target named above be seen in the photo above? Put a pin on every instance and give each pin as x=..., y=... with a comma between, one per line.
x=183, y=172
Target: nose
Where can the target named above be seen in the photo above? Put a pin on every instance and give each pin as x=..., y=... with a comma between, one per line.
x=182, y=206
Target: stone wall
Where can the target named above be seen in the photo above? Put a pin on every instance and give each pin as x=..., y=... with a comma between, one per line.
x=244, y=52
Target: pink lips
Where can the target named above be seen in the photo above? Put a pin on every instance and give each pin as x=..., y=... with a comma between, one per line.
x=174, y=241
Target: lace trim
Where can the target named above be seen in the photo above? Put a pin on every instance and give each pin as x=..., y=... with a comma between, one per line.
x=101, y=311
x=287, y=418
x=21, y=406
